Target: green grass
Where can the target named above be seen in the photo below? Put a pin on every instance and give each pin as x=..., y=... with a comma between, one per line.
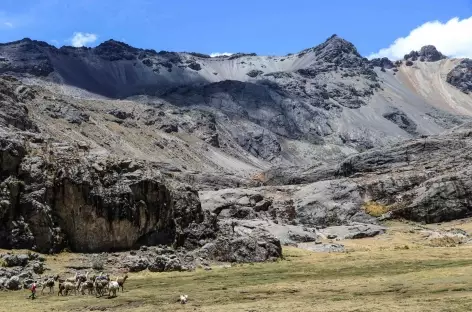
x=401, y=280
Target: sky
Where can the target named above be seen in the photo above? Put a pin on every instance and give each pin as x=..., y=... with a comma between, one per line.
x=266, y=27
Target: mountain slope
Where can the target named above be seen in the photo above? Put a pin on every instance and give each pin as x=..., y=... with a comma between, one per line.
x=237, y=114
x=113, y=136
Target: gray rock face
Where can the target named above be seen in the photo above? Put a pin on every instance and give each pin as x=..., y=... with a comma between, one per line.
x=382, y=63
x=242, y=244
x=20, y=270
x=136, y=263
x=13, y=283
x=165, y=264
x=254, y=73
x=461, y=76
x=67, y=112
x=294, y=213
x=38, y=268
x=401, y=120
x=427, y=53
x=37, y=61
x=117, y=203
x=423, y=180
x=120, y=114
x=321, y=204
x=120, y=198
x=353, y=231
x=15, y=260
x=12, y=111
x=93, y=203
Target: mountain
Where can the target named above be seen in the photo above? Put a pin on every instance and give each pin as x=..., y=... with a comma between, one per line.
x=227, y=155
x=243, y=113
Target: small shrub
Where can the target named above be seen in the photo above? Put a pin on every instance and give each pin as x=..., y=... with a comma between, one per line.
x=444, y=241
x=3, y=263
x=406, y=247
x=374, y=209
x=97, y=264
x=259, y=177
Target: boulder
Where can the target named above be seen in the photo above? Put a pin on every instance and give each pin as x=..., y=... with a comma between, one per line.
x=38, y=268
x=401, y=119
x=353, y=231
x=254, y=73
x=324, y=247
x=121, y=114
x=303, y=237
x=159, y=264
x=165, y=264
x=136, y=263
x=242, y=244
x=13, y=283
x=448, y=238
x=173, y=264
x=11, y=260
x=25, y=275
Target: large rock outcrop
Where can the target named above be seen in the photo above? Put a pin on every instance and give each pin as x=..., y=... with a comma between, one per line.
x=55, y=195
x=427, y=53
x=421, y=180
x=90, y=204
x=461, y=76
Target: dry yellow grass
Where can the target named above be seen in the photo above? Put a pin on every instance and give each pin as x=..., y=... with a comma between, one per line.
x=375, y=209
x=378, y=274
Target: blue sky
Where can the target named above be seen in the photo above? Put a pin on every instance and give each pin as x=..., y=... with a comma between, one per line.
x=261, y=26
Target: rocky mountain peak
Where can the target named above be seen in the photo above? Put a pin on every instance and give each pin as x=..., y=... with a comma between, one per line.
x=431, y=54
x=337, y=52
x=334, y=46
x=116, y=43
x=113, y=50
x=428, y=53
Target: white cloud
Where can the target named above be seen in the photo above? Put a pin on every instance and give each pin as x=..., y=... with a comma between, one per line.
x=8, y=24
x=80, y=39
x=216, y=54
x=453, y=38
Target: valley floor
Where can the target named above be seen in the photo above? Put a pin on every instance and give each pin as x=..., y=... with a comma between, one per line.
x=397, y=271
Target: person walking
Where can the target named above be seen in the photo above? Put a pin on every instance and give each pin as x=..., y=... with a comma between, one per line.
x=33, y=291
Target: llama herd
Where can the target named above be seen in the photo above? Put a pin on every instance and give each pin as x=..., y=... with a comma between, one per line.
x=98, y=285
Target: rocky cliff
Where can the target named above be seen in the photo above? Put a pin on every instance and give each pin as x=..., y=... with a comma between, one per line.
x=56, y=195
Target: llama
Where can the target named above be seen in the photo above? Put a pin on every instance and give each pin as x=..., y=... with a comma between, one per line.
x=183, y=299
x=87, y=285
x=49, y=283
x=72, y=279
x=100, y=286
x=67, y=286
x=113, y=287
x=121, y=281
